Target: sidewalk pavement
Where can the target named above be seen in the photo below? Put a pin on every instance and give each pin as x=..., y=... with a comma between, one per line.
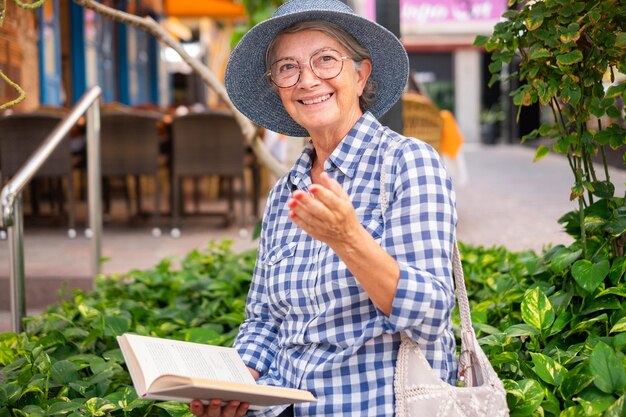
x=506, y=200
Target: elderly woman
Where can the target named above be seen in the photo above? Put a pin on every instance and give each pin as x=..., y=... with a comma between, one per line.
x=337, y=280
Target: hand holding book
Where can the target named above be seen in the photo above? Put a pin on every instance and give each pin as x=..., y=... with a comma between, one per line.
x=173, y=370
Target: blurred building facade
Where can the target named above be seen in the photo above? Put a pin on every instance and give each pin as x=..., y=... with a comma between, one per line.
x=438, y=36
x=56, y=52
x=59, y=50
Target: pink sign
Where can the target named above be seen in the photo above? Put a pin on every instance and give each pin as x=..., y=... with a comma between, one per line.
x=450, y=11
x=445, y=16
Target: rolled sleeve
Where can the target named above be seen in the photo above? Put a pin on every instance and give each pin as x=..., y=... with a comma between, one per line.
x=419, y=233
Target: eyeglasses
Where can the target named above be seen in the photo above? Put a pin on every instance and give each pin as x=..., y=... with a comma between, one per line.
x=325, y=64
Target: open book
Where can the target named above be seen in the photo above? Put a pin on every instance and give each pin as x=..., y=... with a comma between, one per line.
x=172, y=370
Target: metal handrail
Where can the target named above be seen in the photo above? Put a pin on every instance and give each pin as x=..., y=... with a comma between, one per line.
x=12, y=216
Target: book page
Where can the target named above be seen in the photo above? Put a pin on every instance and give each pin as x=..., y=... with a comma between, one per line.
x=194, y=360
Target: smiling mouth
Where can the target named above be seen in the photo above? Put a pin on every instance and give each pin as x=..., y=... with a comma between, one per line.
x=316, y=100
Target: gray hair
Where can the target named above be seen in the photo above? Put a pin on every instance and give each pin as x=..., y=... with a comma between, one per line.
x=357, y=52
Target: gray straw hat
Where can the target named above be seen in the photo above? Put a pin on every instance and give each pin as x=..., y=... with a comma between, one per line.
x=252, y=93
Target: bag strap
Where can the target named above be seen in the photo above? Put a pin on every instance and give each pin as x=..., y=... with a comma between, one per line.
x=468, y=336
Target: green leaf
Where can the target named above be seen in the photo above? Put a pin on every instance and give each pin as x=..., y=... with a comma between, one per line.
x=574, y=411
x=480, y=40
x=619, y=326
x=521, y=329
x=576, y=380
x=603, y=189
x=617, y=226
x=595, y=402
x=618, y=268
x=549, y=370
x=589, y=275
x=602, y=304
x=64, y=372
x=620, y=291
x=613, y=112
x=541, y=152
x=32, y=410
x=560, y=322
x=116, y=325
x=563, y=258
x=523, y=396
x=539, y=52
x=615, y=90
x=174, y=409
x=533, y=23
x=62, y=407
x=588, y=325
x=507, y=358
x=537, y=310
x=617, y=409
x=570, y=58
x=594, y=223
x=610, y=376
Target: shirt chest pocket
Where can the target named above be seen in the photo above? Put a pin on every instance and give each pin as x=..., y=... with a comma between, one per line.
x=280, y=266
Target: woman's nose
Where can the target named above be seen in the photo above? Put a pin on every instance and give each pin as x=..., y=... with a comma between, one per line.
x=308, y=77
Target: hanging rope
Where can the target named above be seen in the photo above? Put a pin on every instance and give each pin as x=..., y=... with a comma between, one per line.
x=34, y=5
x=3, y=10
x=21, y=97
x=6, y=79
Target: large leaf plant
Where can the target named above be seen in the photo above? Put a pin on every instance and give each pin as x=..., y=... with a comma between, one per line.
x=554, y=325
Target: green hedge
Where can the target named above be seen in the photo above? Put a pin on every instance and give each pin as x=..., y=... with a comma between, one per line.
x=67, y=362
x=552, y=325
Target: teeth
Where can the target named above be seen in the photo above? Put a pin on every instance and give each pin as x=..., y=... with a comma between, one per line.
x=317, y=100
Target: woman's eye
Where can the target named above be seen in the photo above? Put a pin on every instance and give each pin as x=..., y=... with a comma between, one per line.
x=325, y=60
x=288, y=67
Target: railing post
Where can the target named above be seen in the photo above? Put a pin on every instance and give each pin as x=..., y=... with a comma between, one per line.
x=16, y=265
x=94, y=185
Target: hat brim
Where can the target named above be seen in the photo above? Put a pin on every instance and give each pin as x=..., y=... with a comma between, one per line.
x=251, y=93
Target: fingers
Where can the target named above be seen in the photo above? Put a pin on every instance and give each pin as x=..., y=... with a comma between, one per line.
x=329, y=191
x=329, y=182
x=197, y=408
x=326, y=199
x=325, y=213
x=216, y=409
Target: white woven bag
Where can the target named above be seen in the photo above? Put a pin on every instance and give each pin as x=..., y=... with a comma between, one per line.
x=418, y=389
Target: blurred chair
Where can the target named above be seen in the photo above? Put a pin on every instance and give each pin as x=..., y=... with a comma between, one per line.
x=130, y=147
x=20, y=135
x=421, y=119
x=204, y=144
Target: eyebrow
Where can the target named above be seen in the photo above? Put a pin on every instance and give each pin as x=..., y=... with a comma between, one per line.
x=314, y=52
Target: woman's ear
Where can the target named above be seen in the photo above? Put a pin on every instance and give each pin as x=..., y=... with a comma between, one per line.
x=364, y=70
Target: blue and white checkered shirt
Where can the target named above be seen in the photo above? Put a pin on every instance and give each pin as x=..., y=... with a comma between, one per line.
x=310, y=325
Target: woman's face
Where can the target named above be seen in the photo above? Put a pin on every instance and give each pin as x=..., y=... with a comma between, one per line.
x=322, y=107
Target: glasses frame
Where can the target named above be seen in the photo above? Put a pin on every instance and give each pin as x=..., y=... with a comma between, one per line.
x=342, y=58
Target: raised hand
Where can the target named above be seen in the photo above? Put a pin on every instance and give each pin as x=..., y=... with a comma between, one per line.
x=326, y=213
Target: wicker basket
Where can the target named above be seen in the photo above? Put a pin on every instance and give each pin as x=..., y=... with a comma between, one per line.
x=421, y=119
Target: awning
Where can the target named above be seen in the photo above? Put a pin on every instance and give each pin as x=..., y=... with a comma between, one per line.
x=224, y=9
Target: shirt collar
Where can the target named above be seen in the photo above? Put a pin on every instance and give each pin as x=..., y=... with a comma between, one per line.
x=345, y=157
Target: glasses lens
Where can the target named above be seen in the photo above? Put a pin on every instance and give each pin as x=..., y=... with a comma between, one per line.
x=285, y=72
x=327, y=64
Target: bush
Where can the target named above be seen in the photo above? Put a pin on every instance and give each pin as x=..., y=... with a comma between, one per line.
x=553, y=325
x=67, y=362
x=554, y=328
